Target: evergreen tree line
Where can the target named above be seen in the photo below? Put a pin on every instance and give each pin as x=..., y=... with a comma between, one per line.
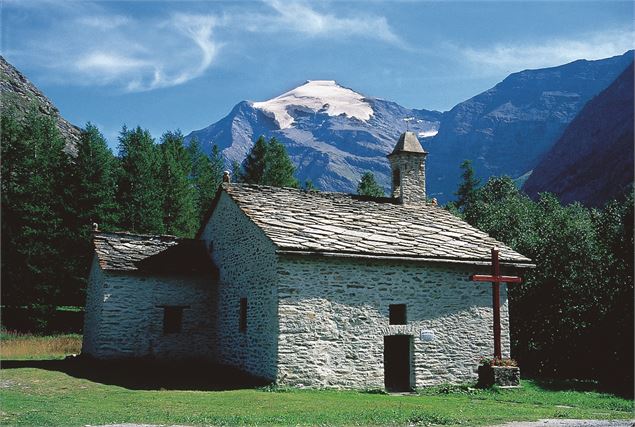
x=50, y=202
x=572, y=316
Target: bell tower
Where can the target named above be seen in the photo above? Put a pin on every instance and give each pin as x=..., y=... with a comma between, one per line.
x=408, y=167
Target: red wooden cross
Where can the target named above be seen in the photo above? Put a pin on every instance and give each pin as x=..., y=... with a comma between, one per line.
x=496, y=280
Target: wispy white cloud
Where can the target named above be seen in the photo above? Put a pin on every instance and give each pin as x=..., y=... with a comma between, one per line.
x=166, y=53
x=300, y=17
x=92, y=44
x=109, y=63
x=197, y=28
x=103, y=22
x=511, y=57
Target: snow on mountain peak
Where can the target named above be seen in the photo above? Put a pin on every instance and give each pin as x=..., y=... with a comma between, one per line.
x=325, y=96
x=428, y=133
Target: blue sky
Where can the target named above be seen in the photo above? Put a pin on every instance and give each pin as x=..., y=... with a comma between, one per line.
x=184, y=64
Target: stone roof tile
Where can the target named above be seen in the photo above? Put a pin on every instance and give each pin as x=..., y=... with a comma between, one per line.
x=120, y=251
x=297, y=220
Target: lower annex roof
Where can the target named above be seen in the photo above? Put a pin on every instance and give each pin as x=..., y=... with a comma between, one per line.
x=122, y=251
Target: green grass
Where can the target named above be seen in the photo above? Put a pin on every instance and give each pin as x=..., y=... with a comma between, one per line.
x=55, y=392
x=32, y=396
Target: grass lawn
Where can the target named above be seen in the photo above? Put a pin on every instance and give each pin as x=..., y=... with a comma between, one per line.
x=58, y=392
x=36, y=396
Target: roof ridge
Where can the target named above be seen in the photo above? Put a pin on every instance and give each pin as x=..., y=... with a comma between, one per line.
x=359, y=197
x=130, y=234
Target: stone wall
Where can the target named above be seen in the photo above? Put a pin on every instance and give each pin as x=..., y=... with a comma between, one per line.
x=246, y=261
x=333, y=316
x=92, y=311
x=412, y=177
x=124, y=317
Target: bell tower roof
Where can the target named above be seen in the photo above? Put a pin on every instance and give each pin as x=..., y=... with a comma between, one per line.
x=408, y=143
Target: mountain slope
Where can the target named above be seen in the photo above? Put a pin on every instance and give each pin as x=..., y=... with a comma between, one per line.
x=593, y=160
x=18, y=93
x=332, y=134
x=507, y=129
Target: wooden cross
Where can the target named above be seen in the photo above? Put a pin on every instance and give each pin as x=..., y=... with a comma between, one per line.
x=496, y=280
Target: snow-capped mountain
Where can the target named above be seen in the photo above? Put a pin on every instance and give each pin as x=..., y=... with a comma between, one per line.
x=333, y=134
x=316, y=96
x=507, y=129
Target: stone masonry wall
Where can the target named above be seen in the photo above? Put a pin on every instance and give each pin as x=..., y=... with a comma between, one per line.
x=412, y=173
x=333, y=316
x=92, y=312
x=125, y=318
x=245, y=258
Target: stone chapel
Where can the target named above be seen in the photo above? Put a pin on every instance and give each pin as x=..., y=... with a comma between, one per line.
x=307, y=288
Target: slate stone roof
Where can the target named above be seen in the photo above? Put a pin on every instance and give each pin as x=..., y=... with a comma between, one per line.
x=153, y=254
x=338, y=223
x=408, y=143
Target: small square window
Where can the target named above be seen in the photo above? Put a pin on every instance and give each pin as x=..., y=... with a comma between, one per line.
x=242, y=324
x=397, y=314
x=172, y=319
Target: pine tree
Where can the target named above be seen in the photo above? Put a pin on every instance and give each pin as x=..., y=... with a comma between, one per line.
x=93, y=187
x=206, y=175
x=279, y=169
x=95, y=179
x=309, y=186
x=236, y=172
x=35, y=214
x=369, y=187
x=254, y=164
x=467, y=189
x=218, y=167
x=180, y=216
x=139, y=187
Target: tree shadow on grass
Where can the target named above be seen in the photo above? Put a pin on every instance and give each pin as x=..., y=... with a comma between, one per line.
x=618, y=389
x=147, y=374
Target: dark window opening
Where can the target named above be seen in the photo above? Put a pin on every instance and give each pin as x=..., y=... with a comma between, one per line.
x=172, y=319
x=397, y=314
x=396, y=178
x=242, y=324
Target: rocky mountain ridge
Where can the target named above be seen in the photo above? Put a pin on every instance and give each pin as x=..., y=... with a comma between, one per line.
x=508, y=129
x=593, y=160
x=332, y=134
x=19, y=94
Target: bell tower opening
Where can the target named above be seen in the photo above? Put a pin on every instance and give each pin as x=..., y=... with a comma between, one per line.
x=396, y=183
